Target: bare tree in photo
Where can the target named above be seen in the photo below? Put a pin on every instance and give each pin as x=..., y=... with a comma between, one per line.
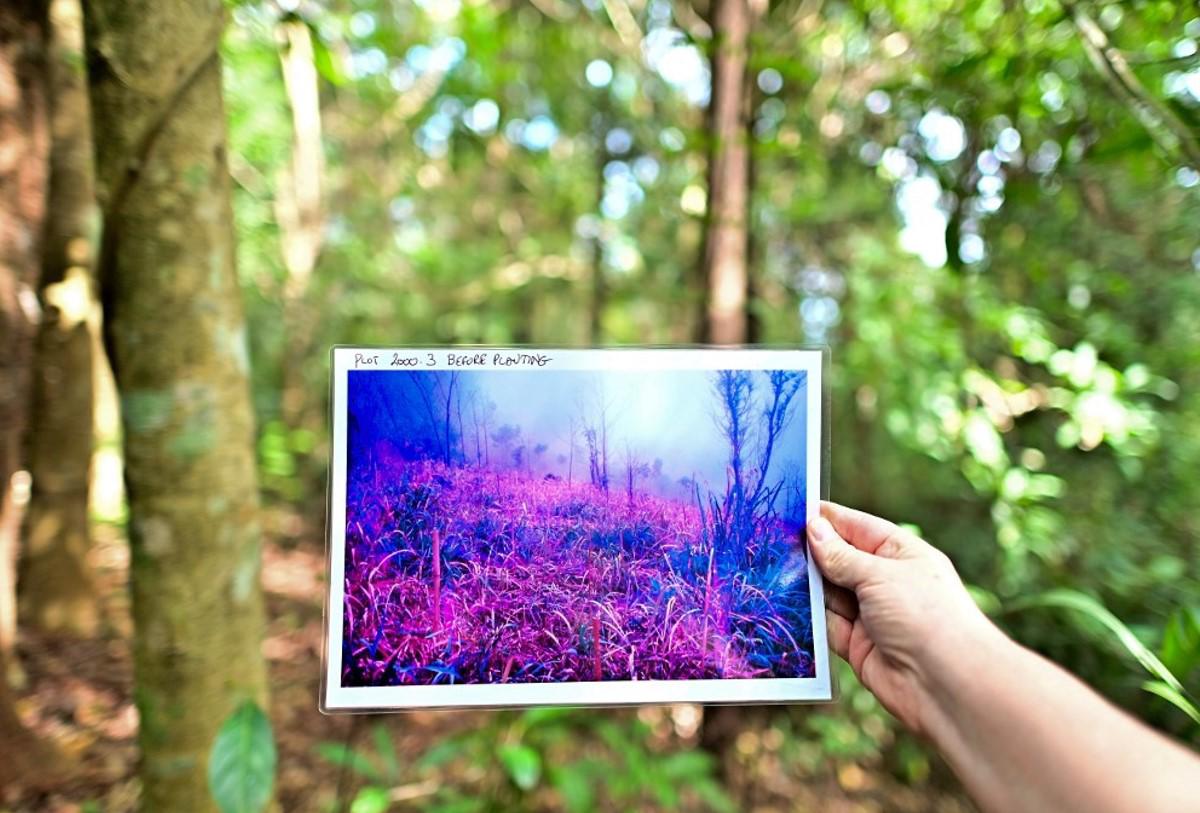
x=475, y=427
x=752, y=430
x=462, y=434
x=595, y=432
x=425, y=387
x=635, y=469
x=571, y=449
x=446, y=396
x=734, y=390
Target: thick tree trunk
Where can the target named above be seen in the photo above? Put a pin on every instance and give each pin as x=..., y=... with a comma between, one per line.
x=724, y=266
x=175, y=334
x=57, y=591
x=25, y=140
x=24, y=135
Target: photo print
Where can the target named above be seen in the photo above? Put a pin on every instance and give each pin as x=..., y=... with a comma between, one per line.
x=515, y=527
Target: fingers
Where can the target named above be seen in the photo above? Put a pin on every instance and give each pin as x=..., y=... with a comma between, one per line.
x=841, y=601
x=864, y=531
x=838, y=629
x=839, y=561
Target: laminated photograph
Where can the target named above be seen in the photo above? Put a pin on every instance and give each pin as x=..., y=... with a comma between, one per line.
x=514, y=527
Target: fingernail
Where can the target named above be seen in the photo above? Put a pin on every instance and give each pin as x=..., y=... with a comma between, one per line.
x=819, y=529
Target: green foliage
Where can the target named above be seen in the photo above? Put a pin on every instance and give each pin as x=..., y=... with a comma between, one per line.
x=523, y=764
x=241, y=765
x=1165, y=684
x=582, y=760
x=999, y=247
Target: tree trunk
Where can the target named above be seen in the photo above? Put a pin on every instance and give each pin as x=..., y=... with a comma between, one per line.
x=24, y=135
x=598, y=300
x=175, y=334
x=299, y=212
x=57, y=590
x=724, y=265
x=23, y=160
x=754, y=247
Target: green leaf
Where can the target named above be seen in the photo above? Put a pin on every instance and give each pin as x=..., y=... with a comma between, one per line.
x=241, y=765
x=326, y=62
x=456, y=804
x=985, y=599
x=371, y=799
x=575, y=787
x=683, y=765
x=547, y=715
x=714, y=796
x=524, y=764
x=443, y=752
x=1080, y=602
x=339, y=754
x=1173, y=697
x=386, y=751
x=1180, y=649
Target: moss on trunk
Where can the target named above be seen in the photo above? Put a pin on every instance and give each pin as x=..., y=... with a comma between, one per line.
x=176, y=339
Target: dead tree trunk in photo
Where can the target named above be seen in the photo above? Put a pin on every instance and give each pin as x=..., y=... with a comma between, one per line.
x=175, y=333
x=57, y=591
x=724, y=267
x=23, y=167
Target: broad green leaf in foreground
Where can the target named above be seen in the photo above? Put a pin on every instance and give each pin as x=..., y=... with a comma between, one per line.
x=523, y=764
x=241, y=765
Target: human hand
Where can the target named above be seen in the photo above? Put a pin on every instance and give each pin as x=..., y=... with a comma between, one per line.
x=897, y=610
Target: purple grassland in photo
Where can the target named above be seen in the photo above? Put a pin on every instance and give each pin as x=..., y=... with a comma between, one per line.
x=559, y=525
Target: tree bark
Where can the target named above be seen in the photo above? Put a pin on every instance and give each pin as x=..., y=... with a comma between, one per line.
x=24, y=135
x=299, y=212
x=23, y=160
x=57, y=591
x=724, y=265
x=175, y=334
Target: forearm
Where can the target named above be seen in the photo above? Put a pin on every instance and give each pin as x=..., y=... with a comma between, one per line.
x=1023, y=734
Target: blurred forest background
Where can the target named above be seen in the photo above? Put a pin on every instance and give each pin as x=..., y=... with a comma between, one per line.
x=989, y=210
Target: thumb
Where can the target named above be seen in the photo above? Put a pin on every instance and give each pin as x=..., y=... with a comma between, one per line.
x=839, y=561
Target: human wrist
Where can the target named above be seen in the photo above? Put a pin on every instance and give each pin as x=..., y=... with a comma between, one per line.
x=952, y=665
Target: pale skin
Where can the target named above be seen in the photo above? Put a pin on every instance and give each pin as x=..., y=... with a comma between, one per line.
x=1021, y=733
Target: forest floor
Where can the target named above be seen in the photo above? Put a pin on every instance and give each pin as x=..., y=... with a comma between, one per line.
x=79, y=694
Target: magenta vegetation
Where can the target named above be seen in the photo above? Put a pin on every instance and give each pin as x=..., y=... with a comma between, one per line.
x=474, y=570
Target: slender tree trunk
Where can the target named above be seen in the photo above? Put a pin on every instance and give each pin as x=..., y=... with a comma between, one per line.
x=724, y=264
x=175, y=333
x=754, y=241
x=599, y=293
x=23, y=165
x=57, y=589
x=298, y=209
